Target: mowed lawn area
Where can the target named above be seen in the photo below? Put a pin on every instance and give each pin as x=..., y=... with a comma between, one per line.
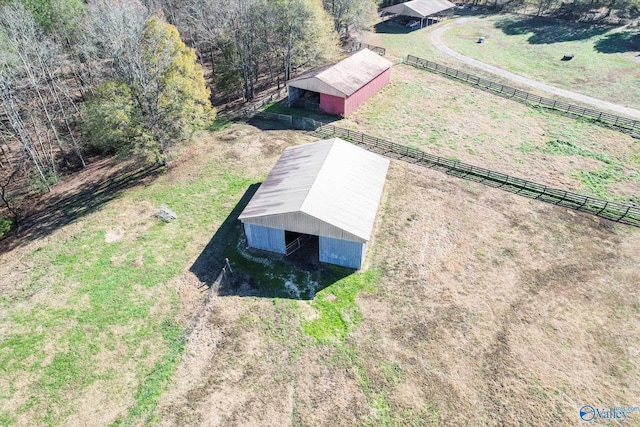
x=475, y=306
x=451, y=119
x=606, y=61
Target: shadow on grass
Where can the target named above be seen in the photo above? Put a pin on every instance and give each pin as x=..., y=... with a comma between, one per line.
x=260, y=273
x=390, y=27
x=547, y=31
x=620, y=42
x=85, y=200
x=299, y=118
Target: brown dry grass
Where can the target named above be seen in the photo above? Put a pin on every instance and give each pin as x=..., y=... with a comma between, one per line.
x=449, y=119
x=492, y=310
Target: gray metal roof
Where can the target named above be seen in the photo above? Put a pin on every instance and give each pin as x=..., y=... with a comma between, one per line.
x=326, y=188
x=419, y=8
x=345, y=77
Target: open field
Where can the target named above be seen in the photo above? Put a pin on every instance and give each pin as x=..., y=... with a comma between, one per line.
x=606, y=63
x=92, y=315
x=478, y=307
x=450, y=119
x=610, y=73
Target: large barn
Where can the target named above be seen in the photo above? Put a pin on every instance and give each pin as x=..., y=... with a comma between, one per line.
x=421, y=9
x=340, y=88
x=326, y=191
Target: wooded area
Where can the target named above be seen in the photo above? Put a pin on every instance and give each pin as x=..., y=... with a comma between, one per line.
x=137, y=77
x=128, y=77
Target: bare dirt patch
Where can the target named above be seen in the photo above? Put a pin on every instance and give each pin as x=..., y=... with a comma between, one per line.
x=114, y=235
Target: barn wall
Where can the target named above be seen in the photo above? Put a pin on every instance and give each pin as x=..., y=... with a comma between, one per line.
x=300, y=222
x=366, y=91
x=269, y=239
x=332, y=104
x=342, y=252
x=294, y=94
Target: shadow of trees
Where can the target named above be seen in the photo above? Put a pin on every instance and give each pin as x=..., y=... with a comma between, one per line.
x=86, y=200
x=623, y=41
x=547, y=31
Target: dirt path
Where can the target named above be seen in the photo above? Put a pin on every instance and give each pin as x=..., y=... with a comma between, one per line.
x=436, y=40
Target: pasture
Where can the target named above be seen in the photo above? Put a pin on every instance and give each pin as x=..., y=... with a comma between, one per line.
x=476, y=305
x=606, y=61
x=450, y=119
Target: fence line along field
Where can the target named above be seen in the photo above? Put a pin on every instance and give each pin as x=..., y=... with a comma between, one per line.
x=605, y=58
x=623, y=124
x=453, y=120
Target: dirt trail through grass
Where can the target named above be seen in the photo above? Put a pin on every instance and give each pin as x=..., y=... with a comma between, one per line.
x=436, y=39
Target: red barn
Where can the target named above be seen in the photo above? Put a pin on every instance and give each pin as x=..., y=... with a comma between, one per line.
x=340, y=88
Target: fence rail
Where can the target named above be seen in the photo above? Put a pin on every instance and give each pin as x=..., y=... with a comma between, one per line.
x=357, y=46
x=621, y=123
x=614, y=211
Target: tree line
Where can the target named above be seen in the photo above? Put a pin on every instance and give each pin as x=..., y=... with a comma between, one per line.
x=128, y=76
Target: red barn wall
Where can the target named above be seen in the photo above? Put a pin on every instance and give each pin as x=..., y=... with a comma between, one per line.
x=367, y=91
x=332, y=104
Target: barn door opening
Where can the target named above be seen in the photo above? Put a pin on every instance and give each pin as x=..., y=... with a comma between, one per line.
x=304, y=246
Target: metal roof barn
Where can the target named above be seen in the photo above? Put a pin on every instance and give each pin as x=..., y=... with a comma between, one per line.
x=329, y=189
x=344, y=85
x=420, y=8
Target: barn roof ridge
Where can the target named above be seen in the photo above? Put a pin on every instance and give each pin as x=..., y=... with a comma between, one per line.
x=344, y=77
x=330, y=181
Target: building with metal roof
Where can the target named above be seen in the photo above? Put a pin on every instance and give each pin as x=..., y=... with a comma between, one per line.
x=327, y=190
x=340, y=88
x=421, y=9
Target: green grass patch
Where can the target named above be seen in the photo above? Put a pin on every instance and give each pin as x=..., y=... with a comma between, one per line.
x=220, y=123
x=564, y=148
x=155, y=383
x=337, y=308
x=5, y=225
x=111, y=300
x=597, y=182
x=279, y=108
x=603, y=66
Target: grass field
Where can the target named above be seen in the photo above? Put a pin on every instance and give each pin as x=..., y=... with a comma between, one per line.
x=453, y=120
x=606, y=63
x=478, y=308
x=475, y=307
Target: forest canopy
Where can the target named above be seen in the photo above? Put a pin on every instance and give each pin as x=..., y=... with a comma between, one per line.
x=135, y=78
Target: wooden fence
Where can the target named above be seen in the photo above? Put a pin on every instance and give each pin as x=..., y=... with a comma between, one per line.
x=614, y=211
x=621, y=123
x=357, y=46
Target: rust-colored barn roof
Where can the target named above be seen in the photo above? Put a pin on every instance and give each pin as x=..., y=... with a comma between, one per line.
x=345, y=77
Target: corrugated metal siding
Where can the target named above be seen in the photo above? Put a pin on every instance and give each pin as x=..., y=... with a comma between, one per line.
x=269, y=239
x=301, y=222
x=367, y=91
x=332, y=104
x=341, y=252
